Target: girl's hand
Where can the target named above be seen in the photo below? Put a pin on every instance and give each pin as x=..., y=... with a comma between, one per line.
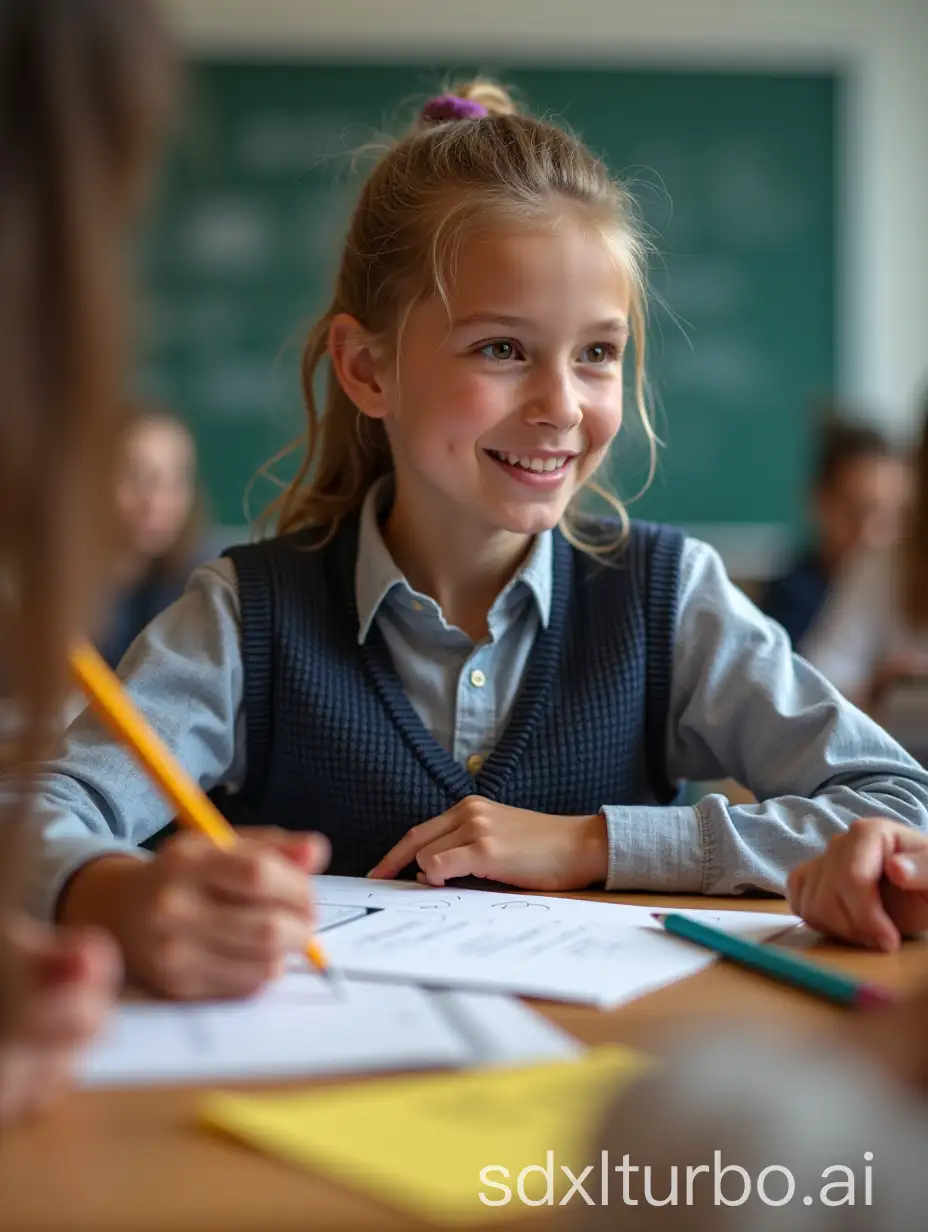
x=56, y=986
x=478, y=838
x=198, y=922
x=869, y=887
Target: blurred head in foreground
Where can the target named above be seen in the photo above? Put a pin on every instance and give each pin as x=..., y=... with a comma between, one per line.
x=86, y=84
x=85, y=87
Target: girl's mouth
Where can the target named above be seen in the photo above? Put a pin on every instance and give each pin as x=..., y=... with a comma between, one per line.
x=535, y=470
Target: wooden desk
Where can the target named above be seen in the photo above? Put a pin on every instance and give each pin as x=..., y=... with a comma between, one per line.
x=134, y=1161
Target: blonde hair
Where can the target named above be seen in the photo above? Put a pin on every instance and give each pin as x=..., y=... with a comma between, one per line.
x=405, y=233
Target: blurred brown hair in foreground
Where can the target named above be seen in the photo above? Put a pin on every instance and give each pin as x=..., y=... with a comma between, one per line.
x=84, y=91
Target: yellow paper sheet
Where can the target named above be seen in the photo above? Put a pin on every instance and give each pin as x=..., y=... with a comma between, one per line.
x=421, y=1143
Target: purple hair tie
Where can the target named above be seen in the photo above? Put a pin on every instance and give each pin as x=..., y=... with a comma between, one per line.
x=450, y=107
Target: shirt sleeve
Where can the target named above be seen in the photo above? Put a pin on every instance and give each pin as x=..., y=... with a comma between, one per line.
x=759, y=1132
x=743, y=706
x=184, y=672
x=851, y=637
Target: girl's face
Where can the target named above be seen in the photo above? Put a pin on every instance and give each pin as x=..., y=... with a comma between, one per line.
x=502, y=412
x=156, y=489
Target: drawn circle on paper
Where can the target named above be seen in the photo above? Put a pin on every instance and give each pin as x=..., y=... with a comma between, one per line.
x=520, y=904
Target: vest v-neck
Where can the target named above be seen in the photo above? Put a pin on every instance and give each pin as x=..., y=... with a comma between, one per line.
x=529, y=705
x=333, y=744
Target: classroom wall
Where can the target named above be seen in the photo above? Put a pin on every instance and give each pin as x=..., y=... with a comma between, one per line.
x=883, y=46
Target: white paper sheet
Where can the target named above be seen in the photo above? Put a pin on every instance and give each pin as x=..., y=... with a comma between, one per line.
x=504, y=1031
x=328, y=915
x=563, y=949
x=303, y=1024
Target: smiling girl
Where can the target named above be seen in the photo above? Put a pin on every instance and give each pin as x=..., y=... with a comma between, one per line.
x=440, y=663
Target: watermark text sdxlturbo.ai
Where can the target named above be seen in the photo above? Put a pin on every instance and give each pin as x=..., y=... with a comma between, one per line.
x=628, y=1184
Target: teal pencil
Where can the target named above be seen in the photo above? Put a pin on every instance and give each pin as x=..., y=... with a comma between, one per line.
x=779, y=965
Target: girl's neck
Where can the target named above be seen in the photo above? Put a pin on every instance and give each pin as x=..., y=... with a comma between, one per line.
x=461, y=566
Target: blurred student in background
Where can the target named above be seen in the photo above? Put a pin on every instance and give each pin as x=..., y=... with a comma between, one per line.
x=160, y=521
x=859, y=496
x=872, y=639
x=86, y=85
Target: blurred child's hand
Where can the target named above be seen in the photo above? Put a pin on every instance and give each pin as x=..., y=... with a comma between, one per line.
x=479, y=838
x=199, y=922
x=869, y=887
x=56, y=986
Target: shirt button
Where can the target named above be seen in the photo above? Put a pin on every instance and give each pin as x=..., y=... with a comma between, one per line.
x=477, y=678
x=475, y=763
x=416, y=605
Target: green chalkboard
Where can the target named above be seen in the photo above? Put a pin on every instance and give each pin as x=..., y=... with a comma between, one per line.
x=736, y=177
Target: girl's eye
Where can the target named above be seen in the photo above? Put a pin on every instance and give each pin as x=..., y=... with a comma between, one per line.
x=499, y=349
x=599, y=353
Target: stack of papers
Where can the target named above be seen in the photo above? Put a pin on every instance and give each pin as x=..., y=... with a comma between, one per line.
x=306, y=1025
x=560, y=949
x=422, y=979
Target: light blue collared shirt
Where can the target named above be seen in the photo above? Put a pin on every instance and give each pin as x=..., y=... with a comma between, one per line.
x=463, y=691
x=742, y=705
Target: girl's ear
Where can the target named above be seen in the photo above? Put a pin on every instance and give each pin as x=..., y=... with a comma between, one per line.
x=356, y=356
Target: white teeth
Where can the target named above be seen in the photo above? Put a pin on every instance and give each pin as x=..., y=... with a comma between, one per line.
x=533, y=464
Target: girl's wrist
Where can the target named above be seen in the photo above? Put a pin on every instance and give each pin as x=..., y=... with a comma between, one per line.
x=100, y=892
x=592, y=850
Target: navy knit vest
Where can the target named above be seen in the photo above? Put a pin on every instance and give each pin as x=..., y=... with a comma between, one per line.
x=334, y=745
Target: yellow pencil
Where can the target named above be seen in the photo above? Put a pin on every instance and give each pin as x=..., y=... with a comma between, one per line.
x=194, y=808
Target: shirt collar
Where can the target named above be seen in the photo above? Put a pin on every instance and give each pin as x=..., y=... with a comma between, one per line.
x=536, y=574
x=376, y=572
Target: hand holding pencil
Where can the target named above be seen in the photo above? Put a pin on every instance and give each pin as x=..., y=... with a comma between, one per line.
x=216, y=912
